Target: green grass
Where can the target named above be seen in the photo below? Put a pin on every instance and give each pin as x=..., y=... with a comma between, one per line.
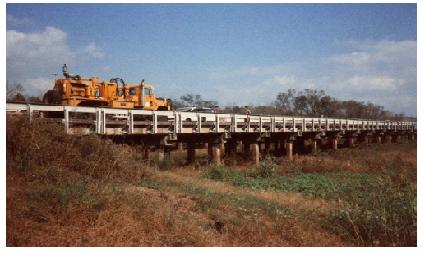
x=207, y=198
x=331, y=185
x=374, y=208
x=383, y=214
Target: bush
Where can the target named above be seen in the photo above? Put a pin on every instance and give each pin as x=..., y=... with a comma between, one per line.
x=386, y=216
x=265, y=169
x=44, y=147
x=216, y=172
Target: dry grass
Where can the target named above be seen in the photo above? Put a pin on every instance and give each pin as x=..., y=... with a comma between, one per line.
x=70, y=191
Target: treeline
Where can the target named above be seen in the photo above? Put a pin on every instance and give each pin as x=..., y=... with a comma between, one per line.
x=15, y=93
x=309, y=103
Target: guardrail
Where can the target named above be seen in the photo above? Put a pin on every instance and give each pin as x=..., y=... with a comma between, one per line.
x=107, y=121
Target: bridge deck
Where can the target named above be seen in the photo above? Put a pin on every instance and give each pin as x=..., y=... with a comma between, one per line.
x=107, y=121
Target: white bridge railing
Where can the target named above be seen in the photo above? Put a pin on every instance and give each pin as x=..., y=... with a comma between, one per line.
x=85, y=120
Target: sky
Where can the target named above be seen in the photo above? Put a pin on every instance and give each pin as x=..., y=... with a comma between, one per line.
x=236, y=54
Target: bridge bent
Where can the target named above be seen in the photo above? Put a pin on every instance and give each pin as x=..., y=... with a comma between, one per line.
x=165, y=129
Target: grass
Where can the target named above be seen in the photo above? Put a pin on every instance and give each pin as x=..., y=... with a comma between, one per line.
x=70, y=191
x=211, y=199
x=384, y=214
x=316, y=185
x=375, y=208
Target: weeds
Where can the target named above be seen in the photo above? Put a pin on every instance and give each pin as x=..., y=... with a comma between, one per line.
x=386, y=216
x=266, y=169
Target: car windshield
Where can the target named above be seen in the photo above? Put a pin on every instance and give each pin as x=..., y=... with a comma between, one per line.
x=205, y=110
x=186, y=109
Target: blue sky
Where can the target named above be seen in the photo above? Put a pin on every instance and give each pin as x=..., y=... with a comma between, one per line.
x=234, y=53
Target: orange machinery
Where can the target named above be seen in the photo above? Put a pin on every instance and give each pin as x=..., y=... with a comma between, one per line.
x=76, y=91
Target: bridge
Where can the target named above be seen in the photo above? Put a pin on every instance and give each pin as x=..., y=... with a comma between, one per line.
x=165, y=131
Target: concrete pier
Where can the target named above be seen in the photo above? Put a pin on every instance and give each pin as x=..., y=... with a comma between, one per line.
x=334, y=143
x=378, y=139
x=161, y=154
x=180, y=146
x=254, y=153
x=388, y=139
x=350, y=142
x=289, y=150
x=216, y=154
x=314, y=146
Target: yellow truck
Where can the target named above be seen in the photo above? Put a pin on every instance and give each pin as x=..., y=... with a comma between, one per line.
x=73, y=90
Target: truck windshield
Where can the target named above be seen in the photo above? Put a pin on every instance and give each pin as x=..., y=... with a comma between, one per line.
x=147, y=91
x=132, y=91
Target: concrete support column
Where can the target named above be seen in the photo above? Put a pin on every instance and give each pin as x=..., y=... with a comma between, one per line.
x=289, y=150
x=161, y=153
x=180, y=146
x=314, y=146
x=350, y=142
x=334, y=143
x=216, y=153
x=255, y=153
x=378, y=139
x=366, y=141
x=221, y=145
x=413, y=137
x=191, y=153
x=388, y=139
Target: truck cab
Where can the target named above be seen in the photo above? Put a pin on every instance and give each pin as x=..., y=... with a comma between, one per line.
x=144, y=97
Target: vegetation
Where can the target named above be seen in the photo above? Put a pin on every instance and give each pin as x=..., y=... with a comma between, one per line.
x=72, y=191
x=309, y=102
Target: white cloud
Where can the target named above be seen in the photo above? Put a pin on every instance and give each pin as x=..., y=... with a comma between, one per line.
x=377, y=71
x=33, y=54
x=378, y=83
x=37, y=86
x=33, y=58
x=14, y=21
x=94, y=50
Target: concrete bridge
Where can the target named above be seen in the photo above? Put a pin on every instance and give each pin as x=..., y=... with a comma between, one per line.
x=221, y=133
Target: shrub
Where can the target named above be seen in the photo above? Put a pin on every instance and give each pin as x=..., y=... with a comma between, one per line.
x=386, y=216
x=44, y=147
x=216, y=172
x=266, y=169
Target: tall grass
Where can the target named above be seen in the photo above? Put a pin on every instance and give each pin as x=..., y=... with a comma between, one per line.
x=44, y=148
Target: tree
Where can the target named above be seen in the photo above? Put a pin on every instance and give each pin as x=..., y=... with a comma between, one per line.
x=34, y=99
x=301, y=104
x=13, y=89
x=285, y=101
x=18, y=98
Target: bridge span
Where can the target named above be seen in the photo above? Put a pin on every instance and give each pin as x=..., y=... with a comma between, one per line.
x=258, y=136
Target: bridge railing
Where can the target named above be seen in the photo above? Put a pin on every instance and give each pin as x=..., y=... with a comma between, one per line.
x=85, y=120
